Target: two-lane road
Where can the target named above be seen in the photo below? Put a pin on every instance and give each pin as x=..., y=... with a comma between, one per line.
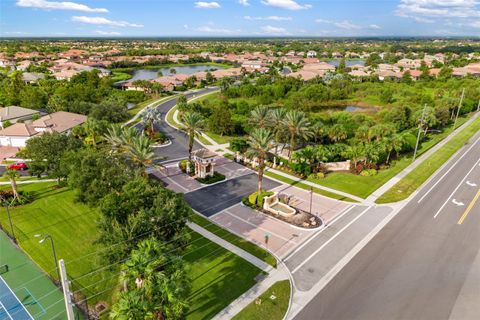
x=424, y=264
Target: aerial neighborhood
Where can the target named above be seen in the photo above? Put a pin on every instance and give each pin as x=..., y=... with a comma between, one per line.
x=246, y=160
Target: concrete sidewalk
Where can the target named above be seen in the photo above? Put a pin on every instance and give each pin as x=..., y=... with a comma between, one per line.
x=390, y=183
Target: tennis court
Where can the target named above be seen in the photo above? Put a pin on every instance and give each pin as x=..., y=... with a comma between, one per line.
x=25, y=291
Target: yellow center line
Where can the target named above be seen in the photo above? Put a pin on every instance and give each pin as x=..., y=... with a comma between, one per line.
x=469, y=208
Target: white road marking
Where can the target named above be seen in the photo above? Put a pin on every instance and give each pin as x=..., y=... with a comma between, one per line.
x=453, y=165
x=319, y=232
x=455, y=190
x=330, y=240
x=263, y=229
x=471, y=184
x=458, y=203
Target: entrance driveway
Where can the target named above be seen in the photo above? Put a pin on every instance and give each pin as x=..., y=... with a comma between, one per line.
x=213, y=199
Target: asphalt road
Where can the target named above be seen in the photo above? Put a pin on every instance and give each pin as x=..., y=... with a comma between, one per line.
x=215, y=198
x=179, y=147
x=423, y=264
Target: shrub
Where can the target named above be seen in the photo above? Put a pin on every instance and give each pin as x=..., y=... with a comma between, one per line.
x=255, y=200
x=212, y=179
x=320, y=175
x=368, y=172
x=6, y=198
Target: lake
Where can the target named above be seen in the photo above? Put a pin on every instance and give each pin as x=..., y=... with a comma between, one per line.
x=348, y=63
x=150, y=74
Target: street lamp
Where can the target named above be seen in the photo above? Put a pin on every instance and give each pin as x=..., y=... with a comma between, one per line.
x=49, y=237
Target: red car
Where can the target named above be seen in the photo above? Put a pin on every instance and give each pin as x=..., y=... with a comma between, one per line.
x=18, y=166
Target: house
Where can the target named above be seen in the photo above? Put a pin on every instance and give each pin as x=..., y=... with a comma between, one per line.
x=13, y=114
x=32, y=77
x=17, y=134
x=23, y=65
x=311, y=54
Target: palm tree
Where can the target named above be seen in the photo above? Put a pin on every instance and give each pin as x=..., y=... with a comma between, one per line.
x=156, y=283
x=398, y=142
x=140, y=151
x=355, y=152
x=13, y=175
x=150, y=118
x=114, y=137
x=277, y=116
x=192, y=123
x=260, y=117
x=94, y=128
x=297, y=125
x=260, y=142
x=337, y=133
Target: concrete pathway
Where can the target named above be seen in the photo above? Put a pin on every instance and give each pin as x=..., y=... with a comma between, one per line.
x=390, y=183
x=27, y=181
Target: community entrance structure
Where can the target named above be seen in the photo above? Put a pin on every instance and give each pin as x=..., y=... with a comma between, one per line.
x=204, y=162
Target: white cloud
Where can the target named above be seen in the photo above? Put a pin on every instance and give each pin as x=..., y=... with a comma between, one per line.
x=207, y=5
x=419, y=9
x=53, y=5
x=476, y=24
x=107, y=33
x=345, y=24
x=104, y=21
x=374, y=26
x=213, y=29
x=273, y=30
x=273, y=18
x=286, y=4
x=244, y=3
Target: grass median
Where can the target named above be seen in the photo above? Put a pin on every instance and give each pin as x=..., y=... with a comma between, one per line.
x=302, y=185
x=413, y=180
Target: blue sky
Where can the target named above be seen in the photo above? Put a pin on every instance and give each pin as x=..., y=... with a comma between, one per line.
x=322, y=18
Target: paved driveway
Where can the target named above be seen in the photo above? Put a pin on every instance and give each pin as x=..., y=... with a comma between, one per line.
x=215, y=198
x=179, y=147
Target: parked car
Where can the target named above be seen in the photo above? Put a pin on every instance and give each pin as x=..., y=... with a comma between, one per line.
x=18, y=166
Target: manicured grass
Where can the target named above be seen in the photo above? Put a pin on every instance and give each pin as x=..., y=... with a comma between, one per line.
x=24, y=178
x=307, y=187
x=145, y=103
x=408, y=184
x=359, y=185
x=203, y=140
x=218, y=138
x=120, y=76
x=235, y=240
x=170, y=119
x=267, y=308
x=218, y=276
x=73, y=229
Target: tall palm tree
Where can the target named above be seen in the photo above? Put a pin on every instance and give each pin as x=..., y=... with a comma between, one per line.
x=277, y=116
x=13, y=175
x=355, y=152
x=337, y=133
x=260, y=142
x=192, y=124
x=140, y=151
x=297, y=125
x=260, y=117
x=114, y=137
x=158, y=282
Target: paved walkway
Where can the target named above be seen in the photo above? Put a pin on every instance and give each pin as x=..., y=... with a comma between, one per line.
x=27, y=181
x=274, y=275
x=139, y=113
x=390, y=183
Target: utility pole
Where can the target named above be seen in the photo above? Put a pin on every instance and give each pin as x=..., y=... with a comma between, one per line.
x=458, y=110
x=67, y=295
x=419, y=131
x=311, y=198
x=10, y=222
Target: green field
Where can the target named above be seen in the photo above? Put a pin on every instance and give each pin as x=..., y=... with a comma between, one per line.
x=236, y=240
x=302, y=185
x=218, y=276
x=267, y=308
x=408, y=184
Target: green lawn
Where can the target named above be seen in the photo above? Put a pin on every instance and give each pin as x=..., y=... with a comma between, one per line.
x=203, y=140
x=145, y=103
x=307, y=187
x=408, y=184
x=219, y=138
x=218, y=276
x=120, y=76
x=236, y=240
x=267, y=308
x=170, y=118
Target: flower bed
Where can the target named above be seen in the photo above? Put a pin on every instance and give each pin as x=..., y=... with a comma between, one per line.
x=211, y=179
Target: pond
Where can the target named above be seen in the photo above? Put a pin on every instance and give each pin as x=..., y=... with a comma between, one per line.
x=348, y=63
x=354, y=108
x=150, y=74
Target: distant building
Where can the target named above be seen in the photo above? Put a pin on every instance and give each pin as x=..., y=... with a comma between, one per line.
x=15, y=113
